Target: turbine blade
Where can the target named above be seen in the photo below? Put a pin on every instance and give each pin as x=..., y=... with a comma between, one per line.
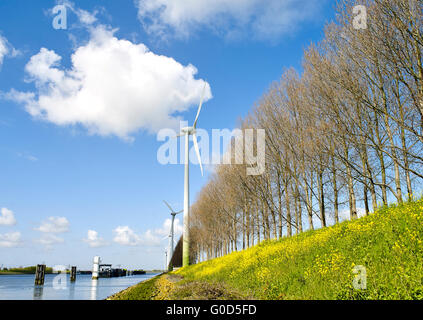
x=168, y=205
x=179, y=212
x=197, y=151
x=199, y=107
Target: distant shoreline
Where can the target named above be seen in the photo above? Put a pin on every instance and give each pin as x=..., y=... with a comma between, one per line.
x=16, y=273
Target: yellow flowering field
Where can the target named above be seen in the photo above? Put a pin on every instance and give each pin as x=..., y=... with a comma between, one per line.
x=321, y=264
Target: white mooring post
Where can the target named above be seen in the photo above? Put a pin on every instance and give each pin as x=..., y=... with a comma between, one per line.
x=96, y=267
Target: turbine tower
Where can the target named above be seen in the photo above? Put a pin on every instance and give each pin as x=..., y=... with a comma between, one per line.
x=187, y=131
x=171, y=234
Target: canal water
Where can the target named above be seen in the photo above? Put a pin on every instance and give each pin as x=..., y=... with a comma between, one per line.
x=58, y=287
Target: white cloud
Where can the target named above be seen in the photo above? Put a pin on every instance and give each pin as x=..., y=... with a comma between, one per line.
x=49, y=229
x=261, y=19
x=6, y=49
x=10, y=240
x=150, y=239
x=165, y=230
x=126, y=236
x=114, y=87
x=3, y=49
x=84, y=16
x=94, y=240
x=54, y=225
x=28, y=157
x=7, y=218
x=49, y=239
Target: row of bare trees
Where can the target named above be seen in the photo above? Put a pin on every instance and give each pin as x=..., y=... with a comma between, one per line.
x=342, y=138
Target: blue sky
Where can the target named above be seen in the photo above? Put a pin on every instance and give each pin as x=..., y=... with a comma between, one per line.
x=66, y=170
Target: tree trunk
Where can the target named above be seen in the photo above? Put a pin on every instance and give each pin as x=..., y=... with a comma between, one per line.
x=353, y=203
x=288, y=211
x=321, y=197
x=335, y=191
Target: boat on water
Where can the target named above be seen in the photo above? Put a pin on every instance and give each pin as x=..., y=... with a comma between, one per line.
x=106, y=271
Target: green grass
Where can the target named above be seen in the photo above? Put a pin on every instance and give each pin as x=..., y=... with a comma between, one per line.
x=319, y=264
x=145, y=290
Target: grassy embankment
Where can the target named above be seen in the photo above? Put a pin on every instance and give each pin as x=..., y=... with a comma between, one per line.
x=313, y=265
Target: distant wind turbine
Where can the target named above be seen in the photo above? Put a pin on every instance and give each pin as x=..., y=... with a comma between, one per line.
x=187, y=131
x=171, y=234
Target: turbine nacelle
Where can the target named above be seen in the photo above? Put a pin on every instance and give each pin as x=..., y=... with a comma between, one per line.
x=188, y=130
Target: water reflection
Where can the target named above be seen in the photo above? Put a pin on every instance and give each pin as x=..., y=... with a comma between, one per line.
x=72, y=291
x=21, y=287
x=38, y=292
x=94, y=284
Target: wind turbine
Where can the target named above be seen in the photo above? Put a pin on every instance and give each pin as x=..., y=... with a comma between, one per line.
x=187, y=131
x=171, y=234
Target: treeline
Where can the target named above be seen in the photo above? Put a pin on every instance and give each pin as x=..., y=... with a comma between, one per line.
x=26, y=270
x=342, y=138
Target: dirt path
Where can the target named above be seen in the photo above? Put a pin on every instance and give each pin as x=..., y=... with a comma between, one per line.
x=174, y=287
